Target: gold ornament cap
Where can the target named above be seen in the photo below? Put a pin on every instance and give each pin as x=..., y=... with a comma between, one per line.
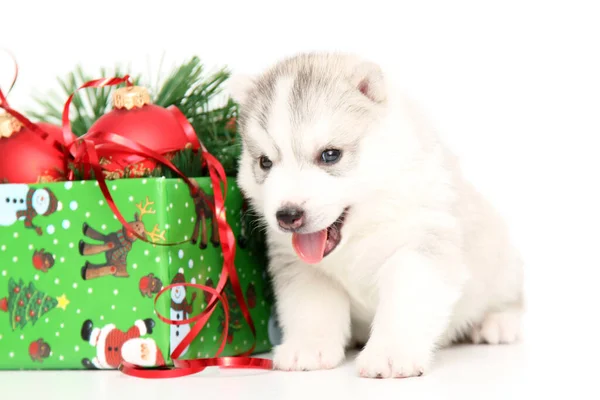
x=9, y=125
x=131, y=97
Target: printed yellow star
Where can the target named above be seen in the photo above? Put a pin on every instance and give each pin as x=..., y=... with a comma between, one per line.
x=62, y=302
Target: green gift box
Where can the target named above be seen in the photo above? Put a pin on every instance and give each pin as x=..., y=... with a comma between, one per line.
x=77, y=290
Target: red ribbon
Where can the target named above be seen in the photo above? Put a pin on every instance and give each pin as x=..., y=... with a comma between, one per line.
x=16, y=74
x=86, y=154
x=85, y=151
x=189, y=367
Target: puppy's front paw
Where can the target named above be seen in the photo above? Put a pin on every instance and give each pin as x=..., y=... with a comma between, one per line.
x=392, y=362
x=304, y=356
x=498, y=328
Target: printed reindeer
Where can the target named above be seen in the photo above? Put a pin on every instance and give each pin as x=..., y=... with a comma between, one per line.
x=202, y=202
x=116, y=246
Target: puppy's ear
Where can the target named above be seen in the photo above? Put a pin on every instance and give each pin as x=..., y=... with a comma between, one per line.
x=368, y=79
x=239, y=86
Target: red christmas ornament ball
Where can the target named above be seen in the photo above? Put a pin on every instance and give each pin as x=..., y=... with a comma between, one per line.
x=28, y=295
x=27, y=157
x=21, y=303
x=17, y=289
x=135, y=118
x=39, y=301
x=17, y=318
x=32, y=313
x=55, y=132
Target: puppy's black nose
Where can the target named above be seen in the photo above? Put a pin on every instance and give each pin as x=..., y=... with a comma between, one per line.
x=290, y=217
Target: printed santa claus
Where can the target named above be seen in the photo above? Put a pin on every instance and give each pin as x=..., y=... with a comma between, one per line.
x=114, y=346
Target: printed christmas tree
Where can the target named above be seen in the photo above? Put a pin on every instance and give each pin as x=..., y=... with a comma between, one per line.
x=235, y=313
x=26, y=304
x=236, y=317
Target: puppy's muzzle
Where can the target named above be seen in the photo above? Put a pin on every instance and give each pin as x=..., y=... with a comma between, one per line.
x=290, y=218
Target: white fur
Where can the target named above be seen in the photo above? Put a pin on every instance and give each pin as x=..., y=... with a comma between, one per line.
x=424, y=259
x=499, y=327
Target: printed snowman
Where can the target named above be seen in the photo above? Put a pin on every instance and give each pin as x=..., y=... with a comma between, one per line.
x=180, y=310
x=22, y=203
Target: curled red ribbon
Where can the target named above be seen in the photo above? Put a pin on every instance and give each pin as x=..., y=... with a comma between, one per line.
x=190, y=367
x=16, y=65
x=85, y=150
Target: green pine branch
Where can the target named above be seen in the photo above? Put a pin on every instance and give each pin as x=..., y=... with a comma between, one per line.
x=198, y=94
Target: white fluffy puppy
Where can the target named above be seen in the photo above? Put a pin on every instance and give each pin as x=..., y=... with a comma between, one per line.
x=374, y=236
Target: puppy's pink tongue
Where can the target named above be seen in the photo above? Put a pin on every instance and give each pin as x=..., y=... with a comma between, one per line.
x=310, y=247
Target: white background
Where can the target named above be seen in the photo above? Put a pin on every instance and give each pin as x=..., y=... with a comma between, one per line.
x=512, y=86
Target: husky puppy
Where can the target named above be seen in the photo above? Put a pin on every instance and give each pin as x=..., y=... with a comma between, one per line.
x=374, y=236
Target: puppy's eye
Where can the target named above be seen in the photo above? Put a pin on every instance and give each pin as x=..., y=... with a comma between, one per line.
x=265, y=163
x=330, y=156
